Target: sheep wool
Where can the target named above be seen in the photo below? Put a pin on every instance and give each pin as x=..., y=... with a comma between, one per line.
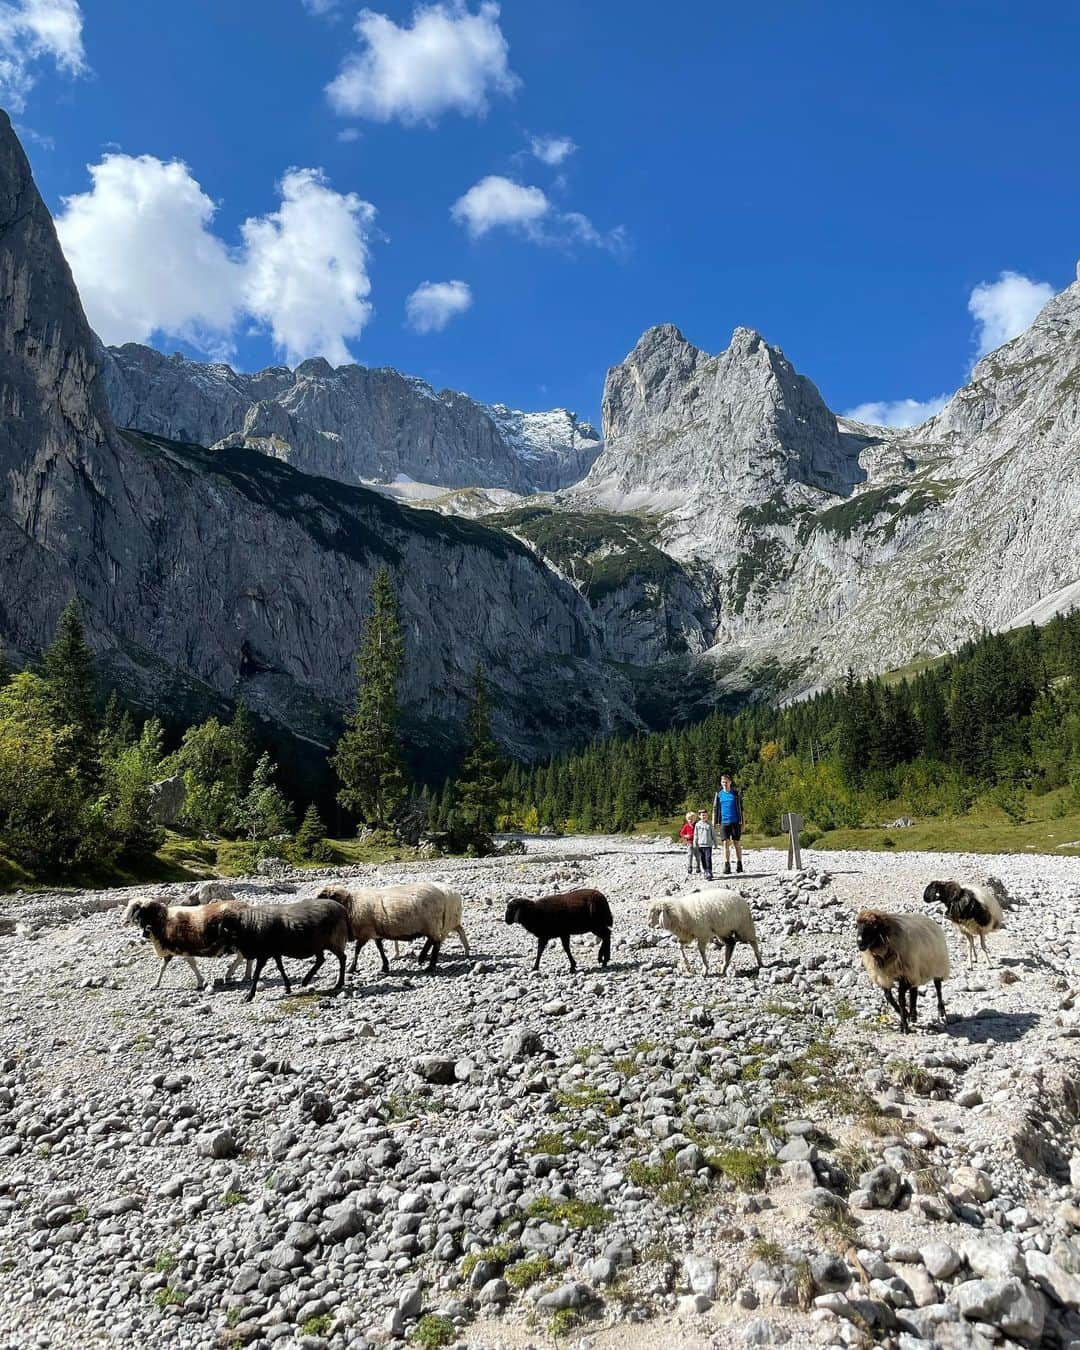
x=904, y=950
x=401, y=913
x=718, y=915
x=974, y=908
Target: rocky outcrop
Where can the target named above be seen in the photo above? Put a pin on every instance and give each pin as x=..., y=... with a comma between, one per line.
x=350, y=423
x=218, y=574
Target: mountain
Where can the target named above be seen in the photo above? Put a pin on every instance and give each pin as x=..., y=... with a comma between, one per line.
x=211, y=574
x=349, y=423
x=822, y=544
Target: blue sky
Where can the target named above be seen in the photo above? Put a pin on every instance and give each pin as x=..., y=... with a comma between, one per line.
x=841, y=176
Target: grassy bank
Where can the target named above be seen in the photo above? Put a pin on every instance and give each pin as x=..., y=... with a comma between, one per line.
x=985, y=829
x=183, y=858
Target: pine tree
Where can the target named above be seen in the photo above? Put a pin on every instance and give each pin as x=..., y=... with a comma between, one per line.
x=311, y=834
x=264, y=811
x=482, y=767
x=68, y=668
x=368, y=758
x=243, y=750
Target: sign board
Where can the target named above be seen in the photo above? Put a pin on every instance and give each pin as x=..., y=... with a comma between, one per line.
x=792, y=823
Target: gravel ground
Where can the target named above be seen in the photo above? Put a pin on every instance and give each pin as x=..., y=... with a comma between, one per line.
x=489, y=1157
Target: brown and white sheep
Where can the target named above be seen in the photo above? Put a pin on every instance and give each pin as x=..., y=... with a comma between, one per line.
x=401, y=914
x=182, y=930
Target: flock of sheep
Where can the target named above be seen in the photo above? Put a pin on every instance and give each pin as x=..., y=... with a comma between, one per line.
x=901, y=952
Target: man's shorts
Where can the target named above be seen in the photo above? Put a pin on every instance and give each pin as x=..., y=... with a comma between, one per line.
x=730, y=832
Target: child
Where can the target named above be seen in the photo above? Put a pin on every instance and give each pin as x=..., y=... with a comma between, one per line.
x=686, y=834
x=703, y=843
x=727, y=813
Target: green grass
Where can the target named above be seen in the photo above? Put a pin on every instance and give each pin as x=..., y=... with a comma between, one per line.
x=564, y=1321
x=232, y=1198
x=585, y=1097
x=317, y=1326
x=432, y=1331
x=747, y=1167
x=166, y=1261
x=524, y=1274
x=574, y=1213
x=169, y=1297
x=764, y=1249
x=664, y=1180
x=498, y=1255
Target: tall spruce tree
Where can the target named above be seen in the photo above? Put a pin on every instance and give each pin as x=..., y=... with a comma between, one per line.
x=482, y=767
x=368, y=758
x=68, y=668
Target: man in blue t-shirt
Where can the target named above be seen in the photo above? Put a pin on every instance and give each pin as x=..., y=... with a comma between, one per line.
x=727, y=816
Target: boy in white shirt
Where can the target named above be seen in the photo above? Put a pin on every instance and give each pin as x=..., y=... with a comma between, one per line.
x=703, y=843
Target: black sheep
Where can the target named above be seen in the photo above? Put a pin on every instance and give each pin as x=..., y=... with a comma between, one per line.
x=261, y=933
x=560, y=916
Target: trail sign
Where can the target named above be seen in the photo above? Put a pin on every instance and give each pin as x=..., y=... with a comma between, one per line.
x=792, y=823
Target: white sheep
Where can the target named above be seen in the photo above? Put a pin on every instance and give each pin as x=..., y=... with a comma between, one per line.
x=908, y=950
x=717, y=915
x=975, y=909
x=401, y=913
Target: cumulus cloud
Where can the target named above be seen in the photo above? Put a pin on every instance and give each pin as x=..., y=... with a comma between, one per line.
x=552, y=150
x=449, y=59
x=1003, y=309
x=434, y=303
x=306, y=270
x=496, y=202
x=901, y=412
x=147, y=261
x=32, y=31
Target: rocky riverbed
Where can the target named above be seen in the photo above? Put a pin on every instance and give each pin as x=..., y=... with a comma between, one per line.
x=490, y=1157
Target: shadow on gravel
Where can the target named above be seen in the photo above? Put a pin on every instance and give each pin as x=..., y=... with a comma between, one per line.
x=990, y=1025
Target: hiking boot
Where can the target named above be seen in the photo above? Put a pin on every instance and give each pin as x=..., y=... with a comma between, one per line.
x=727, y=869
x=738, y=867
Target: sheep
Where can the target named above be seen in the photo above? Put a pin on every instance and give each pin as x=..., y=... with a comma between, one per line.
x=401, y=913
x=182, y=930
x=560, y=916
x=297, y=930
x=974, y=909
x=717, y=915
x=908, y=950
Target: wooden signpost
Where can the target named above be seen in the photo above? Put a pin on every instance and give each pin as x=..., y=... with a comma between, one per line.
x=792, y=823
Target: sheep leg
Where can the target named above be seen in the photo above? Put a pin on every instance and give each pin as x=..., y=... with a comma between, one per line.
x=912, y=1000
x=986, y=949
x=729, y=952
x=903, y=987
x=314, y=969
x=940, y=1000
x=341, y=972
x=199, y=981
x=425, y=952
x=356, y=955
x=685, y=958
x=161, y=973
x=703, y=948
x=259, y=963
x=890, y=998
x=565, y=940
x=284, y=977
x=382, y=956
x=603, y=954
x=972, y=959
x=757, y=952
x=435, y=949
x=460, y=931
x=541, y=943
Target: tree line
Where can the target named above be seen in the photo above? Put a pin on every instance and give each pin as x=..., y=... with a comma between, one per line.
x=81, y=775
x=997, y=720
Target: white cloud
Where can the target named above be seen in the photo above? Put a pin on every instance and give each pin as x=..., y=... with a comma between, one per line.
x=901, y=412
x=306, y=271
x=348, y=134
x=552, y=150
x=32, y=31
x=496, y=201
x=1003, y=309
x=320, y=6
x=147, y=261
x=434, y=303
x=450, y=59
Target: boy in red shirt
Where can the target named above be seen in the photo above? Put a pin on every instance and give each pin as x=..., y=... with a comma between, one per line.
x=686, y=834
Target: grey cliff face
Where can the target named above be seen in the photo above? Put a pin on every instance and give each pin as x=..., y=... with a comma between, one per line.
x=230, y=573
x=349, y=422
